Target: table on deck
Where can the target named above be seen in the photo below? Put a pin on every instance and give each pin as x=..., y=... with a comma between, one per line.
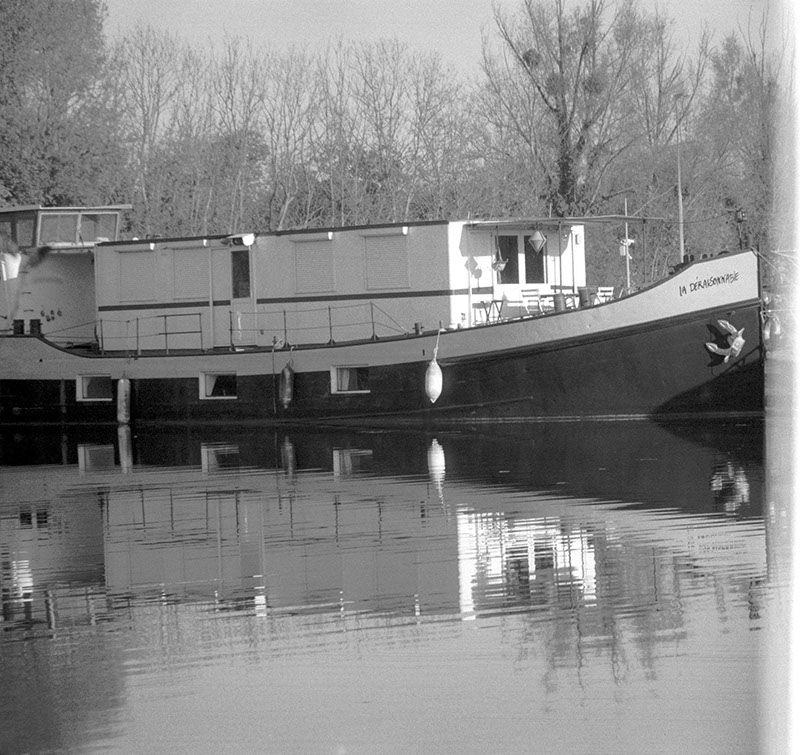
x=492, y=309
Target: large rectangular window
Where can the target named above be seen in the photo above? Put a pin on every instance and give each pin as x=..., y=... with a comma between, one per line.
x=189, y=274
x=78, y=228
x=313, y=264
x=137, y=276
x=386, y=260
x=240, y=273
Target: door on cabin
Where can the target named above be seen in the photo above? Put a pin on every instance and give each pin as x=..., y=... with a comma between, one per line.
x=239, y=329
x=524, y=263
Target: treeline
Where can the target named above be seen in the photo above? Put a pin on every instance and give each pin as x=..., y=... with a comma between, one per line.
x=576, y=111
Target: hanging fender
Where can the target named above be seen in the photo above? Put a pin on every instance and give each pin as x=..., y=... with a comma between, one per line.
x=433, y=375
x=771, y=329
x=286, y=385
x=433, y=381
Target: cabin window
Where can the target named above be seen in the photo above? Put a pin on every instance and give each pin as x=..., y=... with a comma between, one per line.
x=94, y=388
x=350, y=380
x=386, y=259
x=218, y=385
x=527, y=267
x=507, y=248
x=137, y=276
x=534, y=262
x=21, y=229
x=98, y=226
x=61, y=228
x=189, y=274
x=313, y=265
x=26, y=232
x=240, y=273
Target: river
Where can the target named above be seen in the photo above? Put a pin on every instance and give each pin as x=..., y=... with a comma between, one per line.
x=568, y=587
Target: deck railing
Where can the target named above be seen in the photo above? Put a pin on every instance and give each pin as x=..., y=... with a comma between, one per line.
x=196, y=331
x=162, y=333
x=171, y=332
x=316, y=325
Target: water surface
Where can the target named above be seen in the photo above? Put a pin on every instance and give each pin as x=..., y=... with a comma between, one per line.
x=558, y=588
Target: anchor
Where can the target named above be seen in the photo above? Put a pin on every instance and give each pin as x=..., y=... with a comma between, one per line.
x=735, y=342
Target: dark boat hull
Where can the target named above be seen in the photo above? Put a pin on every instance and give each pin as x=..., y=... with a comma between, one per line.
x=661, y=369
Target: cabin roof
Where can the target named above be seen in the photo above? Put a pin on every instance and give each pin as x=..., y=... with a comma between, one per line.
x=284, y=232
x=531, y=223
x=86, y=209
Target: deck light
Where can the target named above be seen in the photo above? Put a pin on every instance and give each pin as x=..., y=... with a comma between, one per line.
x=240, y=239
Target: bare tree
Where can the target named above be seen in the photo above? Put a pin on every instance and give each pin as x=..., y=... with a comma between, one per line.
x=737, y=125
x=148, y=68
x=335, y=131
x=579, y=65
x=291, y=104
x=380, y=97
x=239, y=91
x=394, y=135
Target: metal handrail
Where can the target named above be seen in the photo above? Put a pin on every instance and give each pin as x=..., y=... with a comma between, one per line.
x=344, y=322
x=166, y=332
x=327, y=319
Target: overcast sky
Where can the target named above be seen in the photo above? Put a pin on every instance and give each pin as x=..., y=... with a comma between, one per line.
x=453, y=27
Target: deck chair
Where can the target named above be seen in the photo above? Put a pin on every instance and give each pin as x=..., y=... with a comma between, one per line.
x=604, y=294
x=513, y=309
x=531, y=301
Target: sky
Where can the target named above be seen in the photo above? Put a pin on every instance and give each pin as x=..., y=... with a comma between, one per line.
x=454, y=28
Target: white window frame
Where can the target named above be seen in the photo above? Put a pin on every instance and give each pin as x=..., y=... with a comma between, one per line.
x=81, y=383
x=335, y=382
x=203, y=386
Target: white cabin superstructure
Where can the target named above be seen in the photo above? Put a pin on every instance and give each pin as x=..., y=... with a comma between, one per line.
x=330, y=285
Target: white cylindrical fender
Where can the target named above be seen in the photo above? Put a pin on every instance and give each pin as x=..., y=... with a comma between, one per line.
x=286, y=385
x=123, y=401
x=433, y=381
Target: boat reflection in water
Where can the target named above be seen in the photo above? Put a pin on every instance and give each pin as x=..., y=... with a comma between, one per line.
x=374, y=591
